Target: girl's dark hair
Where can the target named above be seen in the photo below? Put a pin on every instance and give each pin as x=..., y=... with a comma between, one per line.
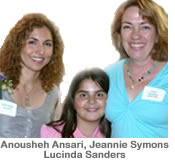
x=10, y=58
x=68, y=118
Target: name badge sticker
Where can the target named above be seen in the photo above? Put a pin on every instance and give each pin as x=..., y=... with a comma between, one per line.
x=154, y=94
x=8, y=108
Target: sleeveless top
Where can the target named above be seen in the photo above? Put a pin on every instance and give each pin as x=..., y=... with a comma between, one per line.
x=27, y=122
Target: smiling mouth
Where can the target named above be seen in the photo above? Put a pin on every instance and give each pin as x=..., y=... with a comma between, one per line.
x=136, y=45
x=92, y=109
x=37, y=59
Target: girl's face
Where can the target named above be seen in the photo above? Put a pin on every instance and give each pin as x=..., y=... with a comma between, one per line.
x=38, y=49
x=90, y=101
x=138, y=35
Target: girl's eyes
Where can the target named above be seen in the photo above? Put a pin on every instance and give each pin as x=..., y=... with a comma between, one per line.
x=100, y=94
x=83, y=95
x=97, y=95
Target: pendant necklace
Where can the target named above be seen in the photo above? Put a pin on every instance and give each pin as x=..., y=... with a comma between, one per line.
x=27, y=98
x=134, y=82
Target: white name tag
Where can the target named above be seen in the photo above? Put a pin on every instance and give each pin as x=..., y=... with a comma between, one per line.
x=8, y=108
x=154, y=94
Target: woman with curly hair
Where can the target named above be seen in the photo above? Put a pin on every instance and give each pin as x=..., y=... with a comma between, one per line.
x=83, y=109
x=31, y=57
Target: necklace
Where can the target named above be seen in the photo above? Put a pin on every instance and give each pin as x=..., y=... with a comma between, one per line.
x=27, y=98
x=134, y=82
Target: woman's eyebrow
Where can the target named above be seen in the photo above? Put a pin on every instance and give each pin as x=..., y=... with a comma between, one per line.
x=33, y=38
x=126, y=22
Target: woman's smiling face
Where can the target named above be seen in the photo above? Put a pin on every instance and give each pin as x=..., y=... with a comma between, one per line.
x=138, y=35
x=38, y=49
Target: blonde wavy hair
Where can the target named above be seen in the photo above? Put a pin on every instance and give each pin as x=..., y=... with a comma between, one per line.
x=10, y=58
x=156, y=15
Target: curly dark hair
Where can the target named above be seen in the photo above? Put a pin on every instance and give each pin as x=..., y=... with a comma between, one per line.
x=10, y=57
x=69, y=118
x=156, y=15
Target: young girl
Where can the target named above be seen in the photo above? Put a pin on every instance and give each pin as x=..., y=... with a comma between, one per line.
x=83, y=108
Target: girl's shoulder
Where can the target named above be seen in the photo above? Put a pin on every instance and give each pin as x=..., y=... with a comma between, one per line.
x=50, y=132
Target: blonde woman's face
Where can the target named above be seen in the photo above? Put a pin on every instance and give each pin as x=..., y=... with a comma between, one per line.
x=138, y=35
x=90, y=101
x=38, y=49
